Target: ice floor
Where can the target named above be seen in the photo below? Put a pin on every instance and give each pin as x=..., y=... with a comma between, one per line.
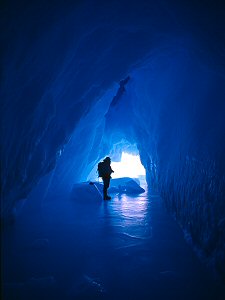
x=80, y=247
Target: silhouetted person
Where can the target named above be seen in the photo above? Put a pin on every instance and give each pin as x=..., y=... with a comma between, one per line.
x=105, y=171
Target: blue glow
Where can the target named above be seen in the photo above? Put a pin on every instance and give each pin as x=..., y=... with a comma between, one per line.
x=82, y=80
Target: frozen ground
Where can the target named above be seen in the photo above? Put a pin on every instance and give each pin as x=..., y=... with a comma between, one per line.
x=80, y=247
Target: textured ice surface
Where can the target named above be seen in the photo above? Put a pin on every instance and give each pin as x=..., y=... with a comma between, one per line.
x=126, y=248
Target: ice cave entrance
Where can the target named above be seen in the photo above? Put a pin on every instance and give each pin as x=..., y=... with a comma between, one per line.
x=129, y=166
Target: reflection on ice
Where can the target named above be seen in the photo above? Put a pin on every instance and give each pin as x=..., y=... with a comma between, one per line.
x=86, y=248
x=129, y=216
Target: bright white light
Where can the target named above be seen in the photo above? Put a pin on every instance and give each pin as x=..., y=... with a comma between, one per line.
x=129, y=166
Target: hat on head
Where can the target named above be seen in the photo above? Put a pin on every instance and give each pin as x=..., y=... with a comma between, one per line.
x=107, y=158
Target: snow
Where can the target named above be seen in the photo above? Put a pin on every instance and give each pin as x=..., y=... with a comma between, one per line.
x=126, y=185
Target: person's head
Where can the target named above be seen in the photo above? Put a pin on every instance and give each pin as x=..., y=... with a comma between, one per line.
x=107, y=160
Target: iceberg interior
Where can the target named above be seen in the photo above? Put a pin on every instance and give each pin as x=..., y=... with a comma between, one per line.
x=82, y=80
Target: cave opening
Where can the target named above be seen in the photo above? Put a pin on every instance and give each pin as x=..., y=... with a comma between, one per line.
x=125, y=161
x=129, y=166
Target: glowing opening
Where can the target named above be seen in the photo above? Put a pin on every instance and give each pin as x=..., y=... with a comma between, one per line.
x=129, y=166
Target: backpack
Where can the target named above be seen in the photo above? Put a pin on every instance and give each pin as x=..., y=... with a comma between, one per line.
x=101, y=169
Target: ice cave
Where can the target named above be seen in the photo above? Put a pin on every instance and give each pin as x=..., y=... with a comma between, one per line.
x=89, y=79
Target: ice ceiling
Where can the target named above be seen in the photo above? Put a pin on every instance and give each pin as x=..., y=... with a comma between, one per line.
x=84, y=79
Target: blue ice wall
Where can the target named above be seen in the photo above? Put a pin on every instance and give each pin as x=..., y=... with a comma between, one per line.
x=61, y=69
x=57, y=62
x=180, y=132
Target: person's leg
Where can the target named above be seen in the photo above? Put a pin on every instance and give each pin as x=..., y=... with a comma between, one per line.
x=105, y=188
